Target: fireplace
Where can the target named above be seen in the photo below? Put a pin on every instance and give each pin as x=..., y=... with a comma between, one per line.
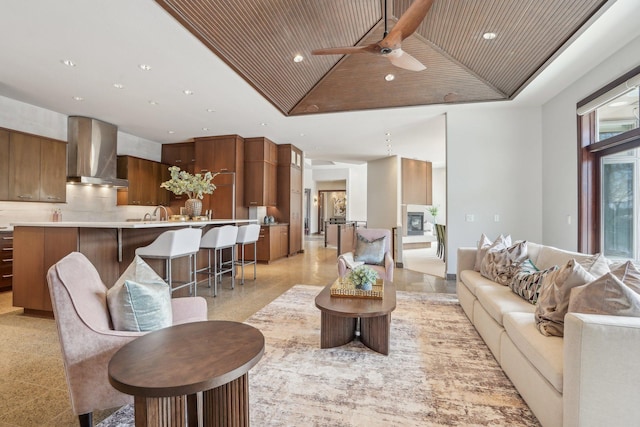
x=415, y=223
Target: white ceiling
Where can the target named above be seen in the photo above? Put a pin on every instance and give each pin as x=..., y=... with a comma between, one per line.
x=109, y=39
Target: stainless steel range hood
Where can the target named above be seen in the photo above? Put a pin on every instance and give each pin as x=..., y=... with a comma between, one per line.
x=91, y=153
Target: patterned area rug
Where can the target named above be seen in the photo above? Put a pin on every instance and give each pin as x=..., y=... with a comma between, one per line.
x=439, y=371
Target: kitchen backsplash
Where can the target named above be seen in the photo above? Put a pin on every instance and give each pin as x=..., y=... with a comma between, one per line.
x=84, y=203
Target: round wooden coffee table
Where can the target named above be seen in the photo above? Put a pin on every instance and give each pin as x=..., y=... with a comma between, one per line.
x=166, y=368
x=339, y=317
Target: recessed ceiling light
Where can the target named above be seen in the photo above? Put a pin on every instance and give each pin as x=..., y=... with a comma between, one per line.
x=118, y=85
x=298, y=58
x=210, y=110
x=78, y=98
x=389, y=77
x=388, y=134
x=145, y=67
x=489, y=36
x=187, y=92
x=171, y=132
x=153, y=102
x=68, y=63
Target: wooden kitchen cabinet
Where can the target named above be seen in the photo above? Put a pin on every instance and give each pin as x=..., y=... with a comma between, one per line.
x=223, y=154
x=181, y=154
x=261, y=169
x=416, y=182
x=4, y=165
x=272, y=244
x=6, y=260
x=145, y=177
x=37, y=169
x=36, y=249
x=290, y=172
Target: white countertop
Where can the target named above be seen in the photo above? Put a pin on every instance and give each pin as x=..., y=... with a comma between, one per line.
x=133, y=224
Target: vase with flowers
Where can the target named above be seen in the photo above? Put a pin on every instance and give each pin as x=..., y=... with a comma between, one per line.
x=363, y=277
x=195, y=186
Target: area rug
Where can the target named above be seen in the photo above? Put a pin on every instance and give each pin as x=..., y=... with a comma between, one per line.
x=439, y=372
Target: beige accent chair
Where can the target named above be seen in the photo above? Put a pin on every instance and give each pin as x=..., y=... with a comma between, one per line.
x=385, y=271
x=87, y=338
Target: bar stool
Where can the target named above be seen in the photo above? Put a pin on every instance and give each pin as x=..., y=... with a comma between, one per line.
x=174, y=244
x=248, y=234
x=218, y=239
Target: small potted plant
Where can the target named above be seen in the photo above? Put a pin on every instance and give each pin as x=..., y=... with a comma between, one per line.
x=194, y=186
x=363, y=277
x=433, y=210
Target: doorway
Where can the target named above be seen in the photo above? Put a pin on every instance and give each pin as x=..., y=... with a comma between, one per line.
x=332, y=207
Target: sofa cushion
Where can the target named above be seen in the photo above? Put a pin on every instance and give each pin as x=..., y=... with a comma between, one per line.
x=553, y=301
x=498, y=300
x=501, y=265
x=549, y=256
x=545, y=353
x=473, y=279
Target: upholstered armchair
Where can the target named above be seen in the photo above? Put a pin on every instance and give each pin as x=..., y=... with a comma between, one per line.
x=366, y=240
x=86, y=333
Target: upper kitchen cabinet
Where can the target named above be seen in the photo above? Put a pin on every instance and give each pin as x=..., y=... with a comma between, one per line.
x=261, y=163
x=416, y=182
x=4, y=165
x=145, y=177
x=290, y=193
x=181, y=154
x=35, y=169
x=224, y=155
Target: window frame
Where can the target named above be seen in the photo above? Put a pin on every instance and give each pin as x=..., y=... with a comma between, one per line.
x=590, y=153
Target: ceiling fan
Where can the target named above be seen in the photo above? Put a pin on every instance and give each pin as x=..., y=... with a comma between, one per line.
x=390, y=45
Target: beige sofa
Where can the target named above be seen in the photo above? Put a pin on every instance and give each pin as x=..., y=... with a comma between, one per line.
x=588, y=378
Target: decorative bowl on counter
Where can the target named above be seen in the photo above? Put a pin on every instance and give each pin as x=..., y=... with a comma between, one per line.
x=200, y=218
x=178, y=218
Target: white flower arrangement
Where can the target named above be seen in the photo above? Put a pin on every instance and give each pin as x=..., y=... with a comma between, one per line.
x=194, y=186
x=363, y=277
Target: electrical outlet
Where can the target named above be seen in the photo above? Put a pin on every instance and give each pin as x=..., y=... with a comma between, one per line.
x=496, y=218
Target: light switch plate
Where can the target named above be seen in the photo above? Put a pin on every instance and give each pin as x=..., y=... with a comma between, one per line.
x=469, y=218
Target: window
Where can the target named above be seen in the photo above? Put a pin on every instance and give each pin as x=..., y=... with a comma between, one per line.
x=609, y=172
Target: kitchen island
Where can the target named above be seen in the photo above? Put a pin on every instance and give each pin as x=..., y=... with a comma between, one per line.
x=110, y=246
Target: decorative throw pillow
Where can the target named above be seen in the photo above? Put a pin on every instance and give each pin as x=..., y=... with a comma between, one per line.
x=629, y=274
x=140, y=300
x=485, y=245
x=526, y=283
x=605, y=295
x=555, y=291
x=501, y=265
x=370, y=251
x=140, y=306
x=596, y=264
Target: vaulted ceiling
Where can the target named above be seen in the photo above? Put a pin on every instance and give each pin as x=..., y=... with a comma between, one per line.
x=260, y=38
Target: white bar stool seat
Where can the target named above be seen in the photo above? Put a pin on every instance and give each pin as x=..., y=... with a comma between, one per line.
x=218, y=239
x=248, y=234
x=174, y=244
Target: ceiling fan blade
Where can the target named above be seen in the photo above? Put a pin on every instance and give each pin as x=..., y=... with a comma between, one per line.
x=402, y=59
x=407, y=24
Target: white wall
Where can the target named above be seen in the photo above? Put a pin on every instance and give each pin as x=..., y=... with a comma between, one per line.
x=439, y=193
x=83, y=203
x=494, y=159
x=560, y=146
x=383, y=193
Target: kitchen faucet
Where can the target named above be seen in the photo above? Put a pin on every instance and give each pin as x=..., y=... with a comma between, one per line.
x=166, y=214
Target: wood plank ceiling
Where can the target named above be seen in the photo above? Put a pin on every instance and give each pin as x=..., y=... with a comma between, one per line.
x=259, y=39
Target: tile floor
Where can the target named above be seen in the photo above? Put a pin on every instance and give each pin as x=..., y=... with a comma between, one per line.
x=33, y=390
